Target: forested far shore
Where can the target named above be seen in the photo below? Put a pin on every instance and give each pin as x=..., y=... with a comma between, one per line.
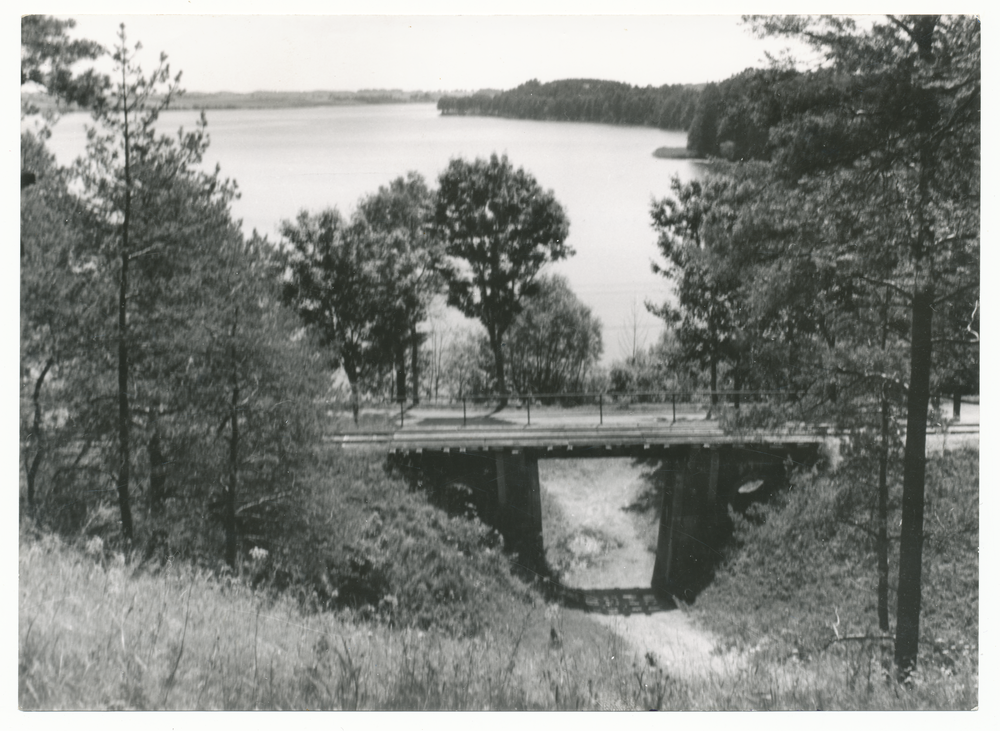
x=731, y=119
x=272, y=99
x=585, y=100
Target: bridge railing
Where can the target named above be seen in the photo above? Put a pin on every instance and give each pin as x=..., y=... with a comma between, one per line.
x=596, y=407
x=732, y=411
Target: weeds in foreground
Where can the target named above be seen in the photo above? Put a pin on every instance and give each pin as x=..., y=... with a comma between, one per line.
x=95, y=633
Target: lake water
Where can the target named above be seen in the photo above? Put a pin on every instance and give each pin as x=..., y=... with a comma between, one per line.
x=604, y=176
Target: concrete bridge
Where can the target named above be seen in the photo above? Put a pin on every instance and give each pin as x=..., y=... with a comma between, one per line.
x=491, y=464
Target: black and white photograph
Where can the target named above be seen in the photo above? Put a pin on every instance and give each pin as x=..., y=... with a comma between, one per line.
x=530, y=357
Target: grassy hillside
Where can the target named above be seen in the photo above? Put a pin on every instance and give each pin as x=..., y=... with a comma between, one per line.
x=799, y=585
x=448, y=627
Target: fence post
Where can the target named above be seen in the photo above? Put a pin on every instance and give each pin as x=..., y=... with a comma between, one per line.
x=529, y=409
x=402, y=404
x=673, y=402
x=464, y=422
x=600, y=397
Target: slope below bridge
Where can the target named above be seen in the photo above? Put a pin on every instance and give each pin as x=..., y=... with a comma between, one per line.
x=490, y=460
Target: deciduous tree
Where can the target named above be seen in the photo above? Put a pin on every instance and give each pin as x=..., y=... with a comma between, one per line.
x=401, y=216
x=555, y=343
x=498, y=228
x=333, y=279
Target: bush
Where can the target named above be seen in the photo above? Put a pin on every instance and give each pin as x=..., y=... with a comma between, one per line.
x=802, y=568
x=364, y=542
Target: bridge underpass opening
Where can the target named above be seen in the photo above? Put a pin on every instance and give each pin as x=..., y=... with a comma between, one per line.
x=599, y=519
x=592, y=519
x=628, y=527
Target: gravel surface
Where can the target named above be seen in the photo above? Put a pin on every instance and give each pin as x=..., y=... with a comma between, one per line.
x=592, y=496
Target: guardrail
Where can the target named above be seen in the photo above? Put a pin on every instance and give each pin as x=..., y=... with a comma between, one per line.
x=579, y=402
x=746, y=408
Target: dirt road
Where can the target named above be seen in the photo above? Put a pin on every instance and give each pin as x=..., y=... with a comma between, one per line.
x=600, y=528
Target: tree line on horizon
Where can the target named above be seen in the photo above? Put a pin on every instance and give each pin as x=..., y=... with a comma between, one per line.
x=584, y=100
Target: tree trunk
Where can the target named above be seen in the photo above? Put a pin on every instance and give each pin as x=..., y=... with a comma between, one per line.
x=234, y=444
x=914, y=466
x=124, y=412
x=713, y=368
x=400, y=372
x=496, y=343
x=352, y=378
x=911, y=536
x=956, y=405
x=737, y=386
x=415, y=363
x=882, y=539
x=37, y=435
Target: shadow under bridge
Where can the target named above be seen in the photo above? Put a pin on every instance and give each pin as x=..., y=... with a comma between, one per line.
x=700, y=473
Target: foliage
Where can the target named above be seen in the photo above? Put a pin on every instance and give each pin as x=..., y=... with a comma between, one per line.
x=333, y=279
x=498, y=228
x=360, y=539
x=906, y=156
x=734, y=118
x=651, y=373
x=51, y=339
x=802, y=566
x=152, y=316
x=48, y=56
x=401, y=215
x=555, y=342
x=708, y=292
x=363, y=286
x=584, y=100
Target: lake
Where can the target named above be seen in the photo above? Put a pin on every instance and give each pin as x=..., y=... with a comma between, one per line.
x=604, y=176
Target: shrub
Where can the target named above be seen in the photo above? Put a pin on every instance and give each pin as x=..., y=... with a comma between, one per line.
x=802, y=567
x=366, y=543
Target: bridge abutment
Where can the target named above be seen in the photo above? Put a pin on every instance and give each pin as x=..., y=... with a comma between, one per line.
x=691, y=516
x=519, y=507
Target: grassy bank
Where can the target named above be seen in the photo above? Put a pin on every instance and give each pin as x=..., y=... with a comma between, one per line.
x=449, y=630
x=96, y=635
x=798, y=588
x=99, y=634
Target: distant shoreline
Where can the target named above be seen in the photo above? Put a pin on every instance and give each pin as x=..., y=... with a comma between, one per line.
x=674, y=153
x=272, y=99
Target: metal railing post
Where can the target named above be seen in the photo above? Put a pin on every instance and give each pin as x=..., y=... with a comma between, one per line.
x=464, y=418
x=673, y=403
x=600, y=397
x=402, y=404
x=529, y=410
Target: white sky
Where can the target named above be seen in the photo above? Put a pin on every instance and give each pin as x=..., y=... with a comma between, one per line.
x=299, y=50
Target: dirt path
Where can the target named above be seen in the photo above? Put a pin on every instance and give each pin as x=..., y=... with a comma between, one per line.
x=601, y=544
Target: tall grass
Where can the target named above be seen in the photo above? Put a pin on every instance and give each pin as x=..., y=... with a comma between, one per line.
x=799, y=586
x=95, y=632
x=99, y=634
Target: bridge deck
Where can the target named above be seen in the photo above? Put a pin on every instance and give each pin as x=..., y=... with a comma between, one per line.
x=583, y=428
x=565, y=432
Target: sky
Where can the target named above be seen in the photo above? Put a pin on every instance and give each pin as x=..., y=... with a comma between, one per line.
x=304, y=52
